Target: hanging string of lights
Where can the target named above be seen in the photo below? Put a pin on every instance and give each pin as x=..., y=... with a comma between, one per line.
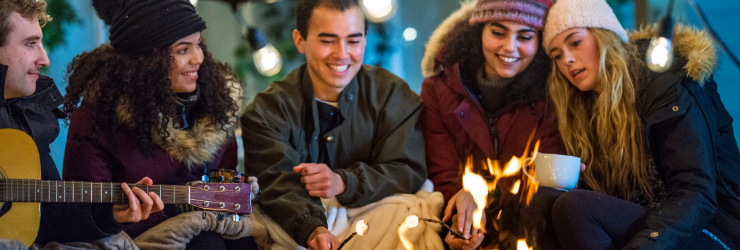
x=659, y=56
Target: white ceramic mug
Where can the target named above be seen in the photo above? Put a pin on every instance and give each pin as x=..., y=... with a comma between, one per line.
x=557, y=171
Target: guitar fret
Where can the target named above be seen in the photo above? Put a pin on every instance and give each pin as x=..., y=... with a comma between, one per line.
x=20, y=190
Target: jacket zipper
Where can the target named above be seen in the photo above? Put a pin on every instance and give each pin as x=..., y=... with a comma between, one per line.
x=38, y=93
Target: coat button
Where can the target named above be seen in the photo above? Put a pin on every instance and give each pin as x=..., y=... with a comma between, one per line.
x=675, y=108
x=654, y=234
x=329, y=138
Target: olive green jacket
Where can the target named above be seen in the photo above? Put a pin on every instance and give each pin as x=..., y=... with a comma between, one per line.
x=378, y=149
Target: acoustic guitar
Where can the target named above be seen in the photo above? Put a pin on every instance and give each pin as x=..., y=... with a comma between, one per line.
x=22, y=190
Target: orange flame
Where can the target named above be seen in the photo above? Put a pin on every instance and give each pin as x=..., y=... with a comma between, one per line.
x=411, y=222
x=479, y=189
x=522, y=245
x=477, y=186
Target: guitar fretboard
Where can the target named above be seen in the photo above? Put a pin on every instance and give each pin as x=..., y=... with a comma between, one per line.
x=20, y=190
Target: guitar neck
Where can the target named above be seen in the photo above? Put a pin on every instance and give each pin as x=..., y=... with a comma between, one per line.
x=20, y=190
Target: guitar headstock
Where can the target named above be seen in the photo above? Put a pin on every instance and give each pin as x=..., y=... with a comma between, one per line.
x=225, y=197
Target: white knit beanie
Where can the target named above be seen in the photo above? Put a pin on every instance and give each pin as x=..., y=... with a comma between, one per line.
x=566, y=14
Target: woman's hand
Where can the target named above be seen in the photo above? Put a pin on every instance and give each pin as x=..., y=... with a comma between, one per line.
x=463, y=244
x=134, y=211
x=465, y=205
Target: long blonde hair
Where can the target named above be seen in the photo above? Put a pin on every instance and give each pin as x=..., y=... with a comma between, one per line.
x=605, y=129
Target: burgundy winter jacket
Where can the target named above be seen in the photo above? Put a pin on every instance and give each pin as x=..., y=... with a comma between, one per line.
x=115, y=157
x=455, y=127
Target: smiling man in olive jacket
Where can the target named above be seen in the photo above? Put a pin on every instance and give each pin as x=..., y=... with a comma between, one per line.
x=331, y=128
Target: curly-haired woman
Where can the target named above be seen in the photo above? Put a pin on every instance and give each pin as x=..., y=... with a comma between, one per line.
x=661, y=153
x=485, y=94
x=151, y=103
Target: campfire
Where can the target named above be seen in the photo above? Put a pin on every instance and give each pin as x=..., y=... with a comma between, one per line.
x=520, y=183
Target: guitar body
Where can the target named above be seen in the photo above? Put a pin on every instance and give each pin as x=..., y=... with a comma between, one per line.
x=19, y=159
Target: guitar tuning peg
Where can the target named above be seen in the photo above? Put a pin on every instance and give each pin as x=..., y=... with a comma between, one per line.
x=236, y=218
x=220, y=217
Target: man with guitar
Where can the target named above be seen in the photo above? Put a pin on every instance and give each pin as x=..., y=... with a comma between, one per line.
x=28, y=103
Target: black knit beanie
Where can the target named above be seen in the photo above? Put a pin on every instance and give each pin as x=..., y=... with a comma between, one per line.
x=139, y=26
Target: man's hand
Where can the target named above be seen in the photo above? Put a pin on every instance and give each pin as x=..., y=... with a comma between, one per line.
x=465, y=207
x=320, y=180
x=322, y=239
x=133, y=211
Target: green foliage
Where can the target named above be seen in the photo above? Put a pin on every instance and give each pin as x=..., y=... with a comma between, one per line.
x=62, y=14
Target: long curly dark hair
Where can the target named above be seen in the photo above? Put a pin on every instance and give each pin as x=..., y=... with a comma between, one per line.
x=465, y=45
x=106, y=79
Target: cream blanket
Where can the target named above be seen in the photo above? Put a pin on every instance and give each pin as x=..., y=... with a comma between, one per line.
x=384, y=218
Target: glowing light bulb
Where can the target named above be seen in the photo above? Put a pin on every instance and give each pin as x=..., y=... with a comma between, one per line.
x=267, y=60
x=379, y=10
x=409, y=34
x=659, y=54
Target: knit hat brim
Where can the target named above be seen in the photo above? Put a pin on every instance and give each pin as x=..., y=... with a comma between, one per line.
x=568, y=14
x=529, y=12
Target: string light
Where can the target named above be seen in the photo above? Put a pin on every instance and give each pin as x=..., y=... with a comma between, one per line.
x=266, y=57
x=378, y=10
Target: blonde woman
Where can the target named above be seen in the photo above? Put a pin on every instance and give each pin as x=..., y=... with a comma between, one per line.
x=661, y=153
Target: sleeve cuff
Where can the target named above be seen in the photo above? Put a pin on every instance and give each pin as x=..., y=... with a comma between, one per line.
x=103, y=217
x=350, y=186
x=304, y=229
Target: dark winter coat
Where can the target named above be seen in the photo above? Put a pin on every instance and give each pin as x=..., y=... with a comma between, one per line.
x=38, y=115
x=106, y=156
x=456, y=126
x=378, y=149
x=690, y=136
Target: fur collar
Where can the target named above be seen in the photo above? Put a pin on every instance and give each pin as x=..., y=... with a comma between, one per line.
x=429, y=64
x=693, y=45
x=196, y=146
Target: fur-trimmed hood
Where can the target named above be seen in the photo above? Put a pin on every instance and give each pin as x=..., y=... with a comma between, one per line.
x=694, y=46
x=429, y=64
x=195, y=146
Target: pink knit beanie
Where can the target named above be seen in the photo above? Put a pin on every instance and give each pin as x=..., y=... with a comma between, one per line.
x=567, y=14
x=529, y=12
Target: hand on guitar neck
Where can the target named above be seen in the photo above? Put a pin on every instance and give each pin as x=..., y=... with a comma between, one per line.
x=137, y=209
